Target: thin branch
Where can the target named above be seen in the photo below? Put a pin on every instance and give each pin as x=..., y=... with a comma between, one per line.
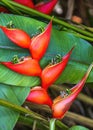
x=22, y=110
x=26, y=120
x=80, y=119
x=77, y=118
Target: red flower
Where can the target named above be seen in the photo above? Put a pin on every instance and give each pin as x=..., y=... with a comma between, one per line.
x=27, y=3
x=46, y=7
x=26, y=66
x=17, y=36
x=40, y=96
x=62, y=103
x=40, y=43
x=52, y=72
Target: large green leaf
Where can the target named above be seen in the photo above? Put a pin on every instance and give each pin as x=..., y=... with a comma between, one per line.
x=15, y=95
x=61, y=43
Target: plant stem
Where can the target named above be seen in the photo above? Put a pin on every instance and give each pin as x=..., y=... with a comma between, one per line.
x=29, y=112
x=25, y=120
x=78, y=118
x=21, y=110
x=85, y=98
x=11, y=7
x=82, y=97
x=61, y=125
x=31, y=12
x=82, y=36
x=52, y=124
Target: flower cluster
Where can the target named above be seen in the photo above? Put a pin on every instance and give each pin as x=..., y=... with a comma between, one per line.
x=44, y=7
x=30, y=66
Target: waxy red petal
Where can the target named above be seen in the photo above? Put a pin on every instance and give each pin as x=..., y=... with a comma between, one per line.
x=29, y=67
x=19, y=37
x=51, y=73
x=28, y=3
x=62, y=104
x=40, y=96
x=40, y=43
x=46, y=7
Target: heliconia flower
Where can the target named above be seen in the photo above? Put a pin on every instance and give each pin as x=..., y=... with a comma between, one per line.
x=26, y=66
x=17, y=36
x=28, y=3
x=46, y=7
x=62, y=103
x=51, y=72
x=40, y=43
x=40, y=96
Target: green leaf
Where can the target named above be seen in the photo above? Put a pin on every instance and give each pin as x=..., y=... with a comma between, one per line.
x=78, y=128
x=61, y=43
x=16, y=95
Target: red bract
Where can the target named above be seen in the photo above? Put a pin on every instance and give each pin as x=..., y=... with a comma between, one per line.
x=19, y=37
x=62, y=103
x=52, y=72
x=40, y=43
x=40, y=96
x=27, y=3
x=3, y=9
x=28, y=66
x=46, y=7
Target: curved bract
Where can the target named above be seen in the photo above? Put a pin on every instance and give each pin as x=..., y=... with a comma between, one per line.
x=28, y=66
x=62, y=103
x=17, y=36
x=27, y=3
x=50, y=73
x=40, y=96
x=40, y=43
x=46, y=7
